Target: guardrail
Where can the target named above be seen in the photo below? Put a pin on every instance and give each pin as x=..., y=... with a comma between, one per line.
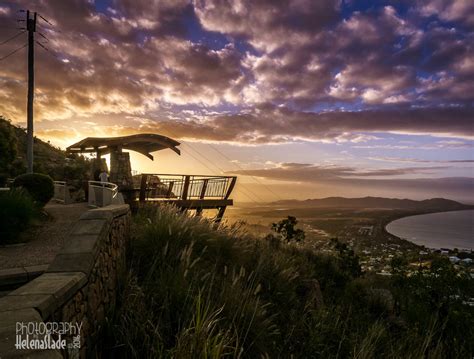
x=184, y=187
x=102, y=194
x=61, y=192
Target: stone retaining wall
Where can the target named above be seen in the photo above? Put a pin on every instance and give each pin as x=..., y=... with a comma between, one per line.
x=78, y=287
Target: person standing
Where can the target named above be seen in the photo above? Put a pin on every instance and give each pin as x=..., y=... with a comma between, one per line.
x=104, y=177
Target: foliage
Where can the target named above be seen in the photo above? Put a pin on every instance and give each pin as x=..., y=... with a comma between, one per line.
x=286, y=228
x=8, y=146
x=48, y=159
x=197, y=292
x=17, y=210
x=434, y=300
x=39, y=186
x=349, y=260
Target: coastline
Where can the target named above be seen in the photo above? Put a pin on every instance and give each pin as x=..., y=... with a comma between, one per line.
x=395, y=218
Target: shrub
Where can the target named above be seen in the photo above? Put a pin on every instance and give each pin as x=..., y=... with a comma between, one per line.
x=17, y=210
x=286, y=228
x=39, y=186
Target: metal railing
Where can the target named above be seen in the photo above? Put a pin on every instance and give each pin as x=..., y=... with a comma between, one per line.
x=61, y=192
x=183, y=187
x=102, y=194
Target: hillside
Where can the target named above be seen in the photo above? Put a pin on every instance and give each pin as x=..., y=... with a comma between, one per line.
x=194, y=291
x=47, y=158
x=377, y=202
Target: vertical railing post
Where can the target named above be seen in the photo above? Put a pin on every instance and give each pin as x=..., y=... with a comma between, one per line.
x=143, y=188
x=231, y=187
x=170, y=189
x=184, y=195
x=202, y=195
x=203, y=189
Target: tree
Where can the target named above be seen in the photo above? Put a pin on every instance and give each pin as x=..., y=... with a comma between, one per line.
x=286, y=228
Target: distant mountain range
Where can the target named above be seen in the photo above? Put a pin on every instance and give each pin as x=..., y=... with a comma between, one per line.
x=377, y=202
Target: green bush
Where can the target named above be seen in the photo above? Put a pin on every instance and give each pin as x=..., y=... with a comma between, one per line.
x=17, y=210
x=39, y=186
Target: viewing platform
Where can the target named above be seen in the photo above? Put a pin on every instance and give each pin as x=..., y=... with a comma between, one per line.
x=195, y=192
x=186, y=191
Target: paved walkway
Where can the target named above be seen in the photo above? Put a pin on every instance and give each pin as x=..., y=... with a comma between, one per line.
x=46, y=240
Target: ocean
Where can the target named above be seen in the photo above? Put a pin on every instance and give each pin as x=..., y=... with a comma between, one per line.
x=437, y=230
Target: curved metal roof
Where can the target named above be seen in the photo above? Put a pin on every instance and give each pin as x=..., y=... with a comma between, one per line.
x=144, y=143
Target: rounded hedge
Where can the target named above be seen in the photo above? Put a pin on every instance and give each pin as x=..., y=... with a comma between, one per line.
x=39, y=186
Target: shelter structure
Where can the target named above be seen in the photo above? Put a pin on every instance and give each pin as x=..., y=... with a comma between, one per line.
x=120, y=168
x=196, y=192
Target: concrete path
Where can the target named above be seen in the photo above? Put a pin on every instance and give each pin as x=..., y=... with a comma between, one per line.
x=46, y=240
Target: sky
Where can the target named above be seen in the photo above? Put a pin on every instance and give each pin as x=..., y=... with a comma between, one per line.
x=299, y=98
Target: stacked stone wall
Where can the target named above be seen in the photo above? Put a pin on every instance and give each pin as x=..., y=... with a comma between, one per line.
x=80, y=286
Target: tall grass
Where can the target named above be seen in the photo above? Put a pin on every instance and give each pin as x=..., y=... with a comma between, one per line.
x=194, y=291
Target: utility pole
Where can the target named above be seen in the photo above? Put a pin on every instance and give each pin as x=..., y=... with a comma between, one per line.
x=31, y=28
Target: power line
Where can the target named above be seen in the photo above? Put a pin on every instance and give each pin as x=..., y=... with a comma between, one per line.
x=48, y=51
x=44, y=47
x=43, y=36
x=254, y=178
x=210, y=169
x=13, y=52
x=243, y=189
x=222, y=171
x=11, y=38
x=45, y=20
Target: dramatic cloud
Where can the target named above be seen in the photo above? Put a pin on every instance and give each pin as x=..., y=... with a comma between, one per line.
x=449, y=10
x=365, y=85
x=276, y=125
x=268, y=25
x=264, y=71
